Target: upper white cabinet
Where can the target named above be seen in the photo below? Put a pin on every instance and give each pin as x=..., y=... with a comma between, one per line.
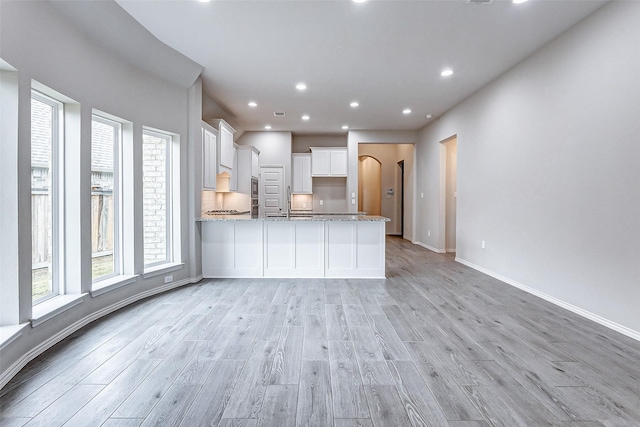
x=255, y=164
x=225, y=136
x=248, y=167
x=301, y=173
x=328, y=161
x=209, y=157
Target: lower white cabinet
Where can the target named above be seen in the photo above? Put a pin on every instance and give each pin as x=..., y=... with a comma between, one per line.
x=232, y=249
x=293, y=249
x=354, y=249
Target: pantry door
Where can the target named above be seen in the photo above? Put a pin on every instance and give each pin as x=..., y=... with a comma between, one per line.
x=272, y=198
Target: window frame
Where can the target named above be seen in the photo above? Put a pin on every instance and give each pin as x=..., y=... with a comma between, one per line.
x=169, y=195
x=117, y=196
x=56, y=193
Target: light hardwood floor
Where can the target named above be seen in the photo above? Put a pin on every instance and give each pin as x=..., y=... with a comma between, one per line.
x=435, y=344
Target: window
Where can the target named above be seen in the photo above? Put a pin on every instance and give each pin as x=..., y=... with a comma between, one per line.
x=157, y=196
x=106, y=242
x=46, y=196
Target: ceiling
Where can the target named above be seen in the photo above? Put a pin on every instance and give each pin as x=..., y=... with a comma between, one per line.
x=386, y=55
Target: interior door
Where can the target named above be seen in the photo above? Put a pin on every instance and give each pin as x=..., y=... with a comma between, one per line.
x=272, y=190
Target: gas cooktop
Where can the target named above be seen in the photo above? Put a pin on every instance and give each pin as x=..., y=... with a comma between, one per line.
x=226, y=212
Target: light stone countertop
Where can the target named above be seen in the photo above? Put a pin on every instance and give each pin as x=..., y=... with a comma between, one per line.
x=296, y=217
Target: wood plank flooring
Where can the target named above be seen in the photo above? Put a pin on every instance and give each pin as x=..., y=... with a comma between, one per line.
x=434, y=344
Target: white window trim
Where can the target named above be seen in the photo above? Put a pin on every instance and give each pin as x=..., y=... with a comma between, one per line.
x=162, y=269
x=9, y=334
x=53, y=307
x=57, y=195
x=117, y=200
x=113, y=283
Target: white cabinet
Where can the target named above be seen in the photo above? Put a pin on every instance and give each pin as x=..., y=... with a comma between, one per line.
x=255, y=163
x=293, y=249
x=226, y=147
x=225, y=142
x=232, y=249
x=248, y=167
x=329, y=161
x=338, y=163
x=209, y=157
x=233, y=180
x=354, y=249
x=302, y=173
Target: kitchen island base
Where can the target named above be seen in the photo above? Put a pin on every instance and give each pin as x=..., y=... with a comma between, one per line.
x=329, y=248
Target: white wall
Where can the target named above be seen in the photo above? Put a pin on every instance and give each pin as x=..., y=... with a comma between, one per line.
x=301, y=143
x=44, y=46
x=275, y=149
x=549, y=171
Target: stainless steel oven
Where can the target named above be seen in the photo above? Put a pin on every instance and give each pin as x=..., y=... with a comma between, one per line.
x=255, y=188
x=255, y=197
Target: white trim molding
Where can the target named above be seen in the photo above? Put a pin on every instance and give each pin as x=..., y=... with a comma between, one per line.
x=577, y=310
x=51, y=308
x=431, y=248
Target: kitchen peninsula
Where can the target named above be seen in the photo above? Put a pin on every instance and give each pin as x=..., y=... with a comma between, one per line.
x=311, y=246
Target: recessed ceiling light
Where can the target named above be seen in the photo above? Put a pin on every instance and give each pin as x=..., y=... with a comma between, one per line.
x=446, y=72
x=204, y=1
x=429, y=116
x=305, y=117
x=267, y=127
x=519, y=1
x=406, y=111
x=301, y=86
x=354, y=104
x=359, y=1
x=253, y=104
x=345, y=127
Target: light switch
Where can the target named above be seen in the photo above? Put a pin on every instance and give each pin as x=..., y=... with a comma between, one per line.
x=353, y=201
x=321, y=202
x=353, y=195
x=422, y=195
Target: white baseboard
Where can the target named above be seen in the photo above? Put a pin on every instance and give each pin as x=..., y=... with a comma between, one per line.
x=431, y=248
x=10, y=372
x=577, y=310
x=196, y=279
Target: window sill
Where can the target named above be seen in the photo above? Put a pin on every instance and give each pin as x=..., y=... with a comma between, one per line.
x=49, y=309
x=9, y=334
x=161, y=269
x=113, y=283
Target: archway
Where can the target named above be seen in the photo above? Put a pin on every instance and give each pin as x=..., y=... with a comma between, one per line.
x=369, y=185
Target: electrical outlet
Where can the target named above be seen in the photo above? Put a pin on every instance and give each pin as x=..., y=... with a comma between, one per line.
x=168, y=279
x=321, y=202
x=304, y=205
x=422, y=195
x=428, y=233
x=353, y=201
x=483, y=245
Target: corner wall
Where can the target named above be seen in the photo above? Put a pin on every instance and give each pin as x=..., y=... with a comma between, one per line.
x=549, y=171
x=59, y=56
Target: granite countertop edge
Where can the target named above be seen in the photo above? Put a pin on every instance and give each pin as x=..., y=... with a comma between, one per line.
x=294, y=218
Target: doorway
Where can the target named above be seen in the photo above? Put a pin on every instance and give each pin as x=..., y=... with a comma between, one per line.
x=369, y=185
x=272, y=198
x=448, y=191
